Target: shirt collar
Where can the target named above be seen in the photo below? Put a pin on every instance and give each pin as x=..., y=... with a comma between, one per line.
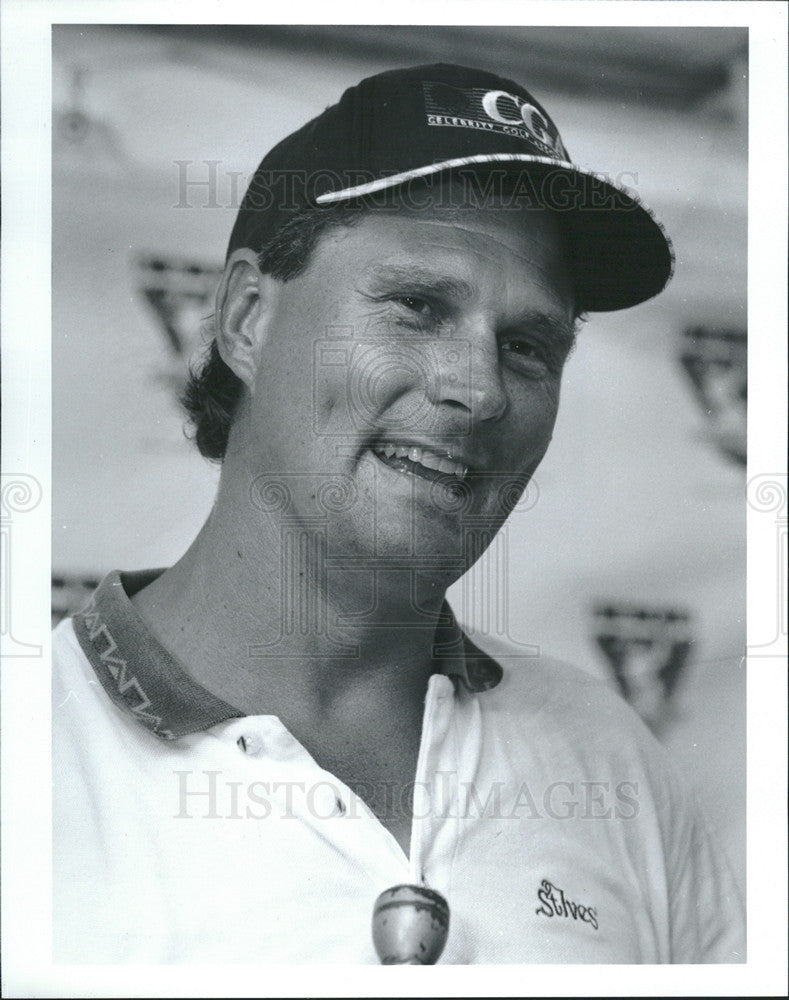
x=144, y=680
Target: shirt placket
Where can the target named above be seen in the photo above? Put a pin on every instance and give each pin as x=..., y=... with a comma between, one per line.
x=429, y=805
x=317, y=798
x=303, y=788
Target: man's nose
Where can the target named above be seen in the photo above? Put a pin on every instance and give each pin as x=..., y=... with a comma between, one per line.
x=468, y=375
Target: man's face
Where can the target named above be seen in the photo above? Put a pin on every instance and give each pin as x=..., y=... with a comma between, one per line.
x=413, y=369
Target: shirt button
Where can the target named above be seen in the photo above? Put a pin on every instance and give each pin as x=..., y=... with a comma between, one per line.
x=250, y=744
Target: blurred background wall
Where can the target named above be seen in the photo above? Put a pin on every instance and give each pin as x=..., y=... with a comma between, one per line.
x=629, y=557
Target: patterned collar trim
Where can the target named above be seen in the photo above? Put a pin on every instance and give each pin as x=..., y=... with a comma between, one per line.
x=144, y=680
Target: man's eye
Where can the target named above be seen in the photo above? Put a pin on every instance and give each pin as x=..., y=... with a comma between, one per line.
x=416, y=312
x=525, y=354
x=522, y=347
x=414, y=304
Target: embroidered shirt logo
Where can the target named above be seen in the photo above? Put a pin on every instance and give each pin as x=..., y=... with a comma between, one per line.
x=492, y=111
x=556, y=904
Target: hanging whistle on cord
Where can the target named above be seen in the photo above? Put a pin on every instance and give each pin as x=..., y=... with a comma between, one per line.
x=410, y=925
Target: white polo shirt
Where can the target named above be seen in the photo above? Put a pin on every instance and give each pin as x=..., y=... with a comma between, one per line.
x=544, y=811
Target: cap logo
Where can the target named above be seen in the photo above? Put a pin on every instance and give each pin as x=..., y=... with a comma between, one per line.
x=492, y=111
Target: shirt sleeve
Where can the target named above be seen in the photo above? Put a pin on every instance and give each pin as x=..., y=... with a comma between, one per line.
x=706, y=910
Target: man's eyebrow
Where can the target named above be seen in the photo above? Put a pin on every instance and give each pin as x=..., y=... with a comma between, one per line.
x=384, y=276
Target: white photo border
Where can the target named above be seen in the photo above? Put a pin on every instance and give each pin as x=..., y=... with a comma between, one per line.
x=26, y=760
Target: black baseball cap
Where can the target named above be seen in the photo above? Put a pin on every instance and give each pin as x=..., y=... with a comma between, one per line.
x=404, y=128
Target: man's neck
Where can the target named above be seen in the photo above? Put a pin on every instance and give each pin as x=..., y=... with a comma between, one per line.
x=275, y=632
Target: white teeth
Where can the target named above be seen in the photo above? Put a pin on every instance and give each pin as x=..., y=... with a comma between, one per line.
x=431, y=460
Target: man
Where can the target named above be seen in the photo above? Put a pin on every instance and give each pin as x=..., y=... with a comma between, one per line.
x=253, y=744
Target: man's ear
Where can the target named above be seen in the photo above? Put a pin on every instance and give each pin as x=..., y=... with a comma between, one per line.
x=244, y=304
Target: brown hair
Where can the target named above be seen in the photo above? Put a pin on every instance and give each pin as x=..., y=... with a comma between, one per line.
x=212, y=390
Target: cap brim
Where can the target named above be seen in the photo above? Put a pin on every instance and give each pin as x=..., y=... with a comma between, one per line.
x=619, y=252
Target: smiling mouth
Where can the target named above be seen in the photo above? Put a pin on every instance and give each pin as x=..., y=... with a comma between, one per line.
x=422, y=462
